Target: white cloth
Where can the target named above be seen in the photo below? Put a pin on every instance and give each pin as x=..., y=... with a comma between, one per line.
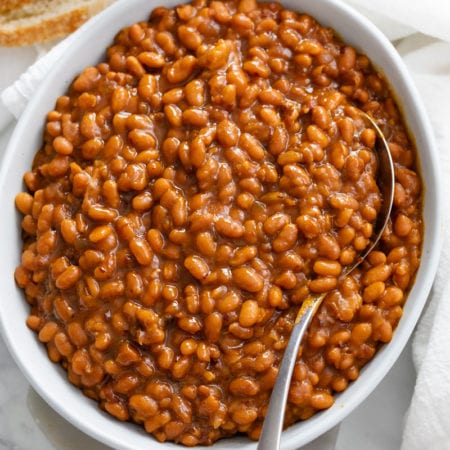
x=427, y=55
x=428, y=421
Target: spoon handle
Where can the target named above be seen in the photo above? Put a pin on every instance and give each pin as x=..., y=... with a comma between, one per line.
x=273, y=423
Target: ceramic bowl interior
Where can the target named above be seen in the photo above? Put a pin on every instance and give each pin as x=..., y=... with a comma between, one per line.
x=87, y=48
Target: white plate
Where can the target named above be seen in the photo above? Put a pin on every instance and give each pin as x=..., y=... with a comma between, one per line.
x=50, y=380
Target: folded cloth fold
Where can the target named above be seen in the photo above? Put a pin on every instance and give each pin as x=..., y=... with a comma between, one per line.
x=428, y=419
x=17, y=96
x=397, y=17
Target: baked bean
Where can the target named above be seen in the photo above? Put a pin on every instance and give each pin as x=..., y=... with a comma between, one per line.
x=229, y=227
x=173, y=115
x=227, y=133
x=220, y=12
x=286, y=238
x=244, y=387
x=286, y=280
x=373, y=291
x=228, y=303
x=100, y=213
x=251, y=145
x=247, y=278
x=197, y=267
x=243, y=255
x=276, y=222
x=244, y=416
x=213, y=327
x=377, y=273
x=62, y=145
x=24, y=202
x=189, y=37
x=328, y=247
x=397, y=254
x=181, y=69
x=68, y=278
x=195, y=116
x=249, y=313
x=392, y=296
x=206, y=244
x=141, y=250
x=152, y=60
x=403, y=225
x=327, y=268
x=323, y=284
x=166, y=41
x=195, y=92
x=48, y=331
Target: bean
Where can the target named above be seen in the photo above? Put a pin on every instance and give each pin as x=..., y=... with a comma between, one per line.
x=249, y=313
x=286, y=238
x=141, y=250
x=63, y=344
x=227, y=133
x=245, y=416
x=316, y=134
x=48, y=331
x=68, y=278
x=228, y=303
x=197, y=266
x=252, y=146
x=229, y=227
x=243, y=387
x=243, y=255
x=196, y=117
x=152, y=59
x=403, y=225
x=62, y=145
x=275, y=222
x=195, y=92
x=248, y=279
x=24, y=202
x=322, y=284
x=374, y=291
x=377, y=273
x=189, y=37
x=181, y=69
x=327, y=268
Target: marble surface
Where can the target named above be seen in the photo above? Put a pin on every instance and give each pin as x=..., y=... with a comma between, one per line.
x=27, y=422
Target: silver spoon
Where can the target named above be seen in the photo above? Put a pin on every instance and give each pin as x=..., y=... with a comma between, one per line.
x=273, y=422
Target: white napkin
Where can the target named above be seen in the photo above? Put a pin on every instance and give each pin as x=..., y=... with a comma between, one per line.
x=397, y=17
x=427, y=424
x=15, y=98
x=428, y=420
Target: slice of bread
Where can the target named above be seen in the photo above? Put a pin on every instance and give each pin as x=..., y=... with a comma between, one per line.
x=26, y=22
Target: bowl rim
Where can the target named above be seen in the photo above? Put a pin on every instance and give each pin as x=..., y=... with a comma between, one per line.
x=302, y=432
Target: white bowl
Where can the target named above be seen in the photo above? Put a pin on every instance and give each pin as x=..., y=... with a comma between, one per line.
x=48, y=379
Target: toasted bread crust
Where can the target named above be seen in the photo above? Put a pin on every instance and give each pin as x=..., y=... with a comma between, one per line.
x=50, y=27
x=6, y=5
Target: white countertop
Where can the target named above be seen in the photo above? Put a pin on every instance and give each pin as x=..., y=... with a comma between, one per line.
x=26, y=422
